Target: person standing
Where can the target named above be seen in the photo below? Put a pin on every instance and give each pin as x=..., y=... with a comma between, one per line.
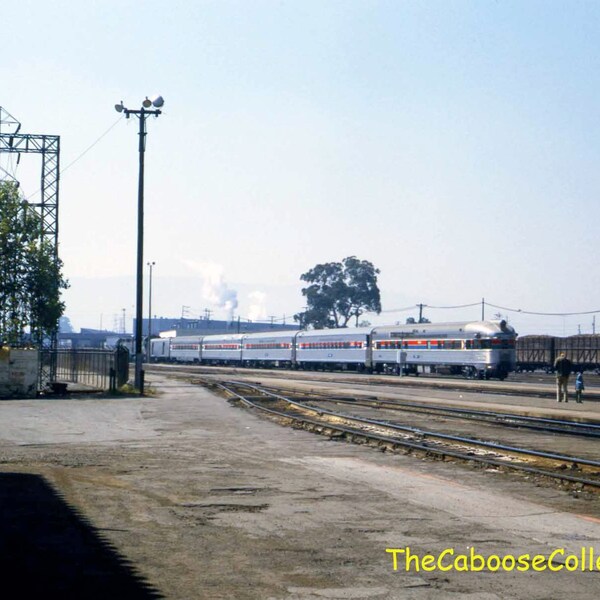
x=562, y=368
x=579, y=387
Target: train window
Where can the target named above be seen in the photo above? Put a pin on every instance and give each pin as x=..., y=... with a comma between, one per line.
x=506, y=343
x=452, y=344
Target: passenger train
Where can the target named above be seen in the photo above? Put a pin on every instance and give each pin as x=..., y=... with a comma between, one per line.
x=480, y=349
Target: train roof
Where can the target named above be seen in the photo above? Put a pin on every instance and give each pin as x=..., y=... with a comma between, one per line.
x=271, y=335
x=228, y=337
x=485, y=328
x=336, y=331
x=184, y=339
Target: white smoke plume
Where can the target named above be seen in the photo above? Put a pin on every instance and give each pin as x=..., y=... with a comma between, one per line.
x=258, y=307
x=215, y=289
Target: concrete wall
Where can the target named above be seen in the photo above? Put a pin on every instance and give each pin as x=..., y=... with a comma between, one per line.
x=18, y=372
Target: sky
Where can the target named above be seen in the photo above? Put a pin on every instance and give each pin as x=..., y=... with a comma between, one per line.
x=454, y=144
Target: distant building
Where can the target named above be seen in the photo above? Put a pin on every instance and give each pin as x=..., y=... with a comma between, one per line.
x=208, y=326
x=93, y=338
x=97, y=338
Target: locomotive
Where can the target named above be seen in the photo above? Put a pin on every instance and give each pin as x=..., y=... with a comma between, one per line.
x=477, y=349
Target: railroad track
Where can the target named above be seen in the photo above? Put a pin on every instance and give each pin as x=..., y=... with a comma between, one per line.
x=543, y=424
x=392, y=436
x=511, y=387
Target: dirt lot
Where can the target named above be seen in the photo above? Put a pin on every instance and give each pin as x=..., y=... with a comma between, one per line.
x=183, y=496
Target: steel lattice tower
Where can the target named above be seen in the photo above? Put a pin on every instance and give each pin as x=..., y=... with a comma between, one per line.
x=13, y=142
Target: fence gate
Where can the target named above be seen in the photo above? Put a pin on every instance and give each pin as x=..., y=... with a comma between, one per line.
x=97, y=369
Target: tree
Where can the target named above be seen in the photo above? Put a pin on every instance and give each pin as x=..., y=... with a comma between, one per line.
x=413, y=321
x=30, y=272
x=65, y=325
x=339, y=291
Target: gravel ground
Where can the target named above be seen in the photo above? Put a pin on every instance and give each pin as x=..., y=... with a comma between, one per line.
x=182, y=495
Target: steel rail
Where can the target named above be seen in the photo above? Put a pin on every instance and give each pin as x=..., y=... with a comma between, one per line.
x=394, y=442
x=423, y=433
x=433, y=434
x=504, y=419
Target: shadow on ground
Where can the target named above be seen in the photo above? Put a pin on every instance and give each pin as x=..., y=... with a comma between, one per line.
x=48, y=550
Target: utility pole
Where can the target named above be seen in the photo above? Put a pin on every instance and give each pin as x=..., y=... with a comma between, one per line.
x=483, y=309
x=142, y=114
x=420, y=312
x=594, y=325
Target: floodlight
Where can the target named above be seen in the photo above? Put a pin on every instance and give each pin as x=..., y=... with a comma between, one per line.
x=147, y=103
x=119, y=107
x=157, y=101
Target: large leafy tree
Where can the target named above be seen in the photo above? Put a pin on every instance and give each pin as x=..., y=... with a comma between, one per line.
x=338, y=292
x=30, y=272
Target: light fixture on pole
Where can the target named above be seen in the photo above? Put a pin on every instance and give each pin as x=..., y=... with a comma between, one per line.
x=142, y=114
x=149, y=347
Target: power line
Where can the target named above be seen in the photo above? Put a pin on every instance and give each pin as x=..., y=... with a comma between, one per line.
x=516, y=310
x=546, y=314
x=412, y=307
x=457, y=306
x=82, y=154
x=91, y=146
x=395, y=310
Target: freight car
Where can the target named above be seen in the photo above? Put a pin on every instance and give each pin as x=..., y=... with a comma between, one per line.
x=538, y=352
x=535, y=352
x=481, y=349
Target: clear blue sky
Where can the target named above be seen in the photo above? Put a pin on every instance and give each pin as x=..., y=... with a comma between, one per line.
x=454, y=144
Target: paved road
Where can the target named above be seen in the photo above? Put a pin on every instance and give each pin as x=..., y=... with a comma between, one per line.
x=194, y=498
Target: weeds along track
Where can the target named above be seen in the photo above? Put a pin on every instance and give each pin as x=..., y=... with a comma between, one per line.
x=502, y=419
x=577, y=471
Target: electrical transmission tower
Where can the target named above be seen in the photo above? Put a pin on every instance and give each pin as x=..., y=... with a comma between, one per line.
x=48, y=146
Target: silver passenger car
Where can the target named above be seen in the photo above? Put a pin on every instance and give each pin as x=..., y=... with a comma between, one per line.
x=160, y=350
x=222, y=349
x=275, y=348
x=476, y=349
x=185, y=348
x=333, y=346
